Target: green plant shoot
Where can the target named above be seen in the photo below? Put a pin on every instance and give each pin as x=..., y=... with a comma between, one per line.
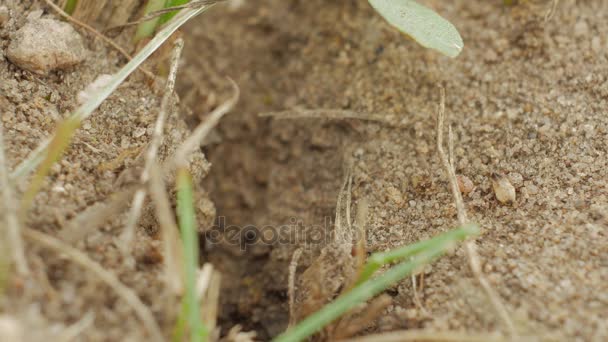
x=171, y=3
x=422, y=253
x=187, y=224
x=70, y=6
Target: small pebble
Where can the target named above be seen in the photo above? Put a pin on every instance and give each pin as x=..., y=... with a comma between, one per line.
x=395, y=195
x=465, y=184
x=44, y=45
x=503, y=189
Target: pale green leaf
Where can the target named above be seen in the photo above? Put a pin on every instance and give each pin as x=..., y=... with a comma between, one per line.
x=421, y=23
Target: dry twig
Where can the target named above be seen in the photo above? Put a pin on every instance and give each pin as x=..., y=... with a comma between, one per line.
x=427, y=336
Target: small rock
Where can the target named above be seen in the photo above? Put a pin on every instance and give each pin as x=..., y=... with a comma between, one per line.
x=395, y=195
x=503, y=189
x=464, y=184
x=43, y=45
x=5, y=15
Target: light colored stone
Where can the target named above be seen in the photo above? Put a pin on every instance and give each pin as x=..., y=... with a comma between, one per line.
x=503, y=189
x=44, y=45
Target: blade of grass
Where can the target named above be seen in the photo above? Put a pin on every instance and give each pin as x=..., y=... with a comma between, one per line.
x=84, y=111
x=128, y=235
x=380, y=259
x=12, y=226
x=372, y=287
x=70, y=6
x=146, y=29
x=187, y=224
x=171, y=3
x=58, y=145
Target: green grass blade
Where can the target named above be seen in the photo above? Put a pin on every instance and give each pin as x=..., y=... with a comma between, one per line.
x=70, y=6
x=428, y=28
x=147, y=28
x=377, y=260
x=187, y=225
x=373, y=287
x=84, y=111
x=171, y=3
x=57, y=147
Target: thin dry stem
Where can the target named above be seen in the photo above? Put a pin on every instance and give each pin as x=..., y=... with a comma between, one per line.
x=361, y=225
x=417, y=300
x=125, y=242
x=428, y=336
x=203, y=281
x=95, y=216
x=470, y=246
x=298, y=113
x=172, y=253
x=10, y=214
x=349, y=197
x=343, y=235
x=194, y=140
x=291, y=288
x=127, y=294
x=212, y=301
x=98, y=34
x=551, y=12
x=128, y=234
x=74, y=330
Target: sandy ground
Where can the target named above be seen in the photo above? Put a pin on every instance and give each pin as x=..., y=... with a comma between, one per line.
x=526, y=99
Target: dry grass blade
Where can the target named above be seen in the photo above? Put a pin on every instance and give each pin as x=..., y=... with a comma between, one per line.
x=128, y=235
x=74, y=330
x=210, y=306
x=470, y=246
x=11, y=220
x=361, y=225
x=172, y=252
x=203, y=281
x=428, y=336
x=328, y=114
x=417, y=300
x=95, y=216
x=343, y=235
x=291, y=288
x=194, y=140
x=145, y=315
